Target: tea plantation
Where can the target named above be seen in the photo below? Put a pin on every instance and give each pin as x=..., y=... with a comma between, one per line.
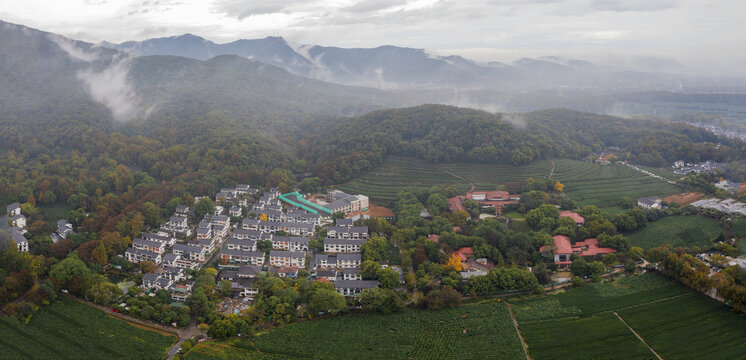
x=684, y=231
x=585, y=182
x=675, y=321
x=483, y=331
x=67, y=329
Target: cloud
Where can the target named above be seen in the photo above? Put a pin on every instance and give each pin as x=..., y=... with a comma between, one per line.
x=111, y=87
x=633, y=5
x=73, y=51
x=242, y=9
x=367, y=6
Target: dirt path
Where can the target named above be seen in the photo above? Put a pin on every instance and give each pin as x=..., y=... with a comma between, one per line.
x=458, y=177
x=638, y=336
x=517, y=330
x=551, y=172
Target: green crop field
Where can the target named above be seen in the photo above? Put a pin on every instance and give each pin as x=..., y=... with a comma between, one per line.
x=692, y=326
x=585, y=182
x=595, y=337
x=67, y=329
x=481, y=331
x=603, y=185
x=675, y=321
x=685, y=231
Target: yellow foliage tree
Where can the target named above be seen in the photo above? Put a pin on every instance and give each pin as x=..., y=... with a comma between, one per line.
x=453, y=264
x=558, y=186
x=263, y=217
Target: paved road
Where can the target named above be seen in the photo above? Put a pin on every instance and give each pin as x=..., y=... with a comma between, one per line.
x=184, y=334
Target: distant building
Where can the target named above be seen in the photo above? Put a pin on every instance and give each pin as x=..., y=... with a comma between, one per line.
x=341, y=201
x=13, y=209
x=729, y=186
x=18, y=221
x=19, y=239
x=563, y=249
x=651, y=202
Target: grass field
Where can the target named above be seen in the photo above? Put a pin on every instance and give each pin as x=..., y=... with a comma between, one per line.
x=70, y=330
x=482, y=331
x=587, y=183
x=685, y=231
x=675, y=321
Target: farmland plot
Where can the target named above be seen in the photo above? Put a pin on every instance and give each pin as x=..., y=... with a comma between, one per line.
x=471, y=332
x=684, y=231
x=67, y=329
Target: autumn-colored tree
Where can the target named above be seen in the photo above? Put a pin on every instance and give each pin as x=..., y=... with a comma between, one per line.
x=453, y=264
x=559, y=187
x=147, y=267
x=263, y=217
x=136, y=225
x=31, y=200
x=99, y=254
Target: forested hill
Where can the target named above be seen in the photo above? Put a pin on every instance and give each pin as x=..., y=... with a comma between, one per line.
x=48, y=78
x=442, y=133
x=230, y=93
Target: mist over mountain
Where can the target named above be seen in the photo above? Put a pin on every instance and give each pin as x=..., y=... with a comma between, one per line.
x=400, y=68
x=50, y=77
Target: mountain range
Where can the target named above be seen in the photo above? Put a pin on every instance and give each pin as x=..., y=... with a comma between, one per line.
x=392, y=67
x=50, y=77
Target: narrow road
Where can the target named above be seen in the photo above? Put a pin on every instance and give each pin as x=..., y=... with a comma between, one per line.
x=187, y=333
x=458, y=177
x=517, y=330
x=638, y=336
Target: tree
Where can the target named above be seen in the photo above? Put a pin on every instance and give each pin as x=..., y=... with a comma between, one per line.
x=68, y=268
x=147, y=267
x=104, y=293
x=221, y=329
x=375, y=249
x=310, y=185
x=559, y=187
x=204, y=206
x=436, y=203
x=444, y=298
x=544, y=217
x=225, y=288
x=388, y=278
x=327, y=300
x=151, y=213
x=626, y=202
x=369, y=269
x=384, y=301
x=453, y=264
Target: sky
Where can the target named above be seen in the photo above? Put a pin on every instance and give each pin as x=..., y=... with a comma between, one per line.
x=697, y=33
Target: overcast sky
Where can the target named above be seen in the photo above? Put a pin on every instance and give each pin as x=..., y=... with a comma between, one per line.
x=696, y=32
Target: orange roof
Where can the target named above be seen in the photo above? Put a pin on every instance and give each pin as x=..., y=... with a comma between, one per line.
x=562, y=245
x=592, y=248
x=572, y=215
x=434, y=238
x=454, y=203
x=498, y=195
x=464, y=253
x=324, y=280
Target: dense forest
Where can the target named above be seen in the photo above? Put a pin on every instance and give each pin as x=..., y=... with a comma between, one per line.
x=442, y=133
